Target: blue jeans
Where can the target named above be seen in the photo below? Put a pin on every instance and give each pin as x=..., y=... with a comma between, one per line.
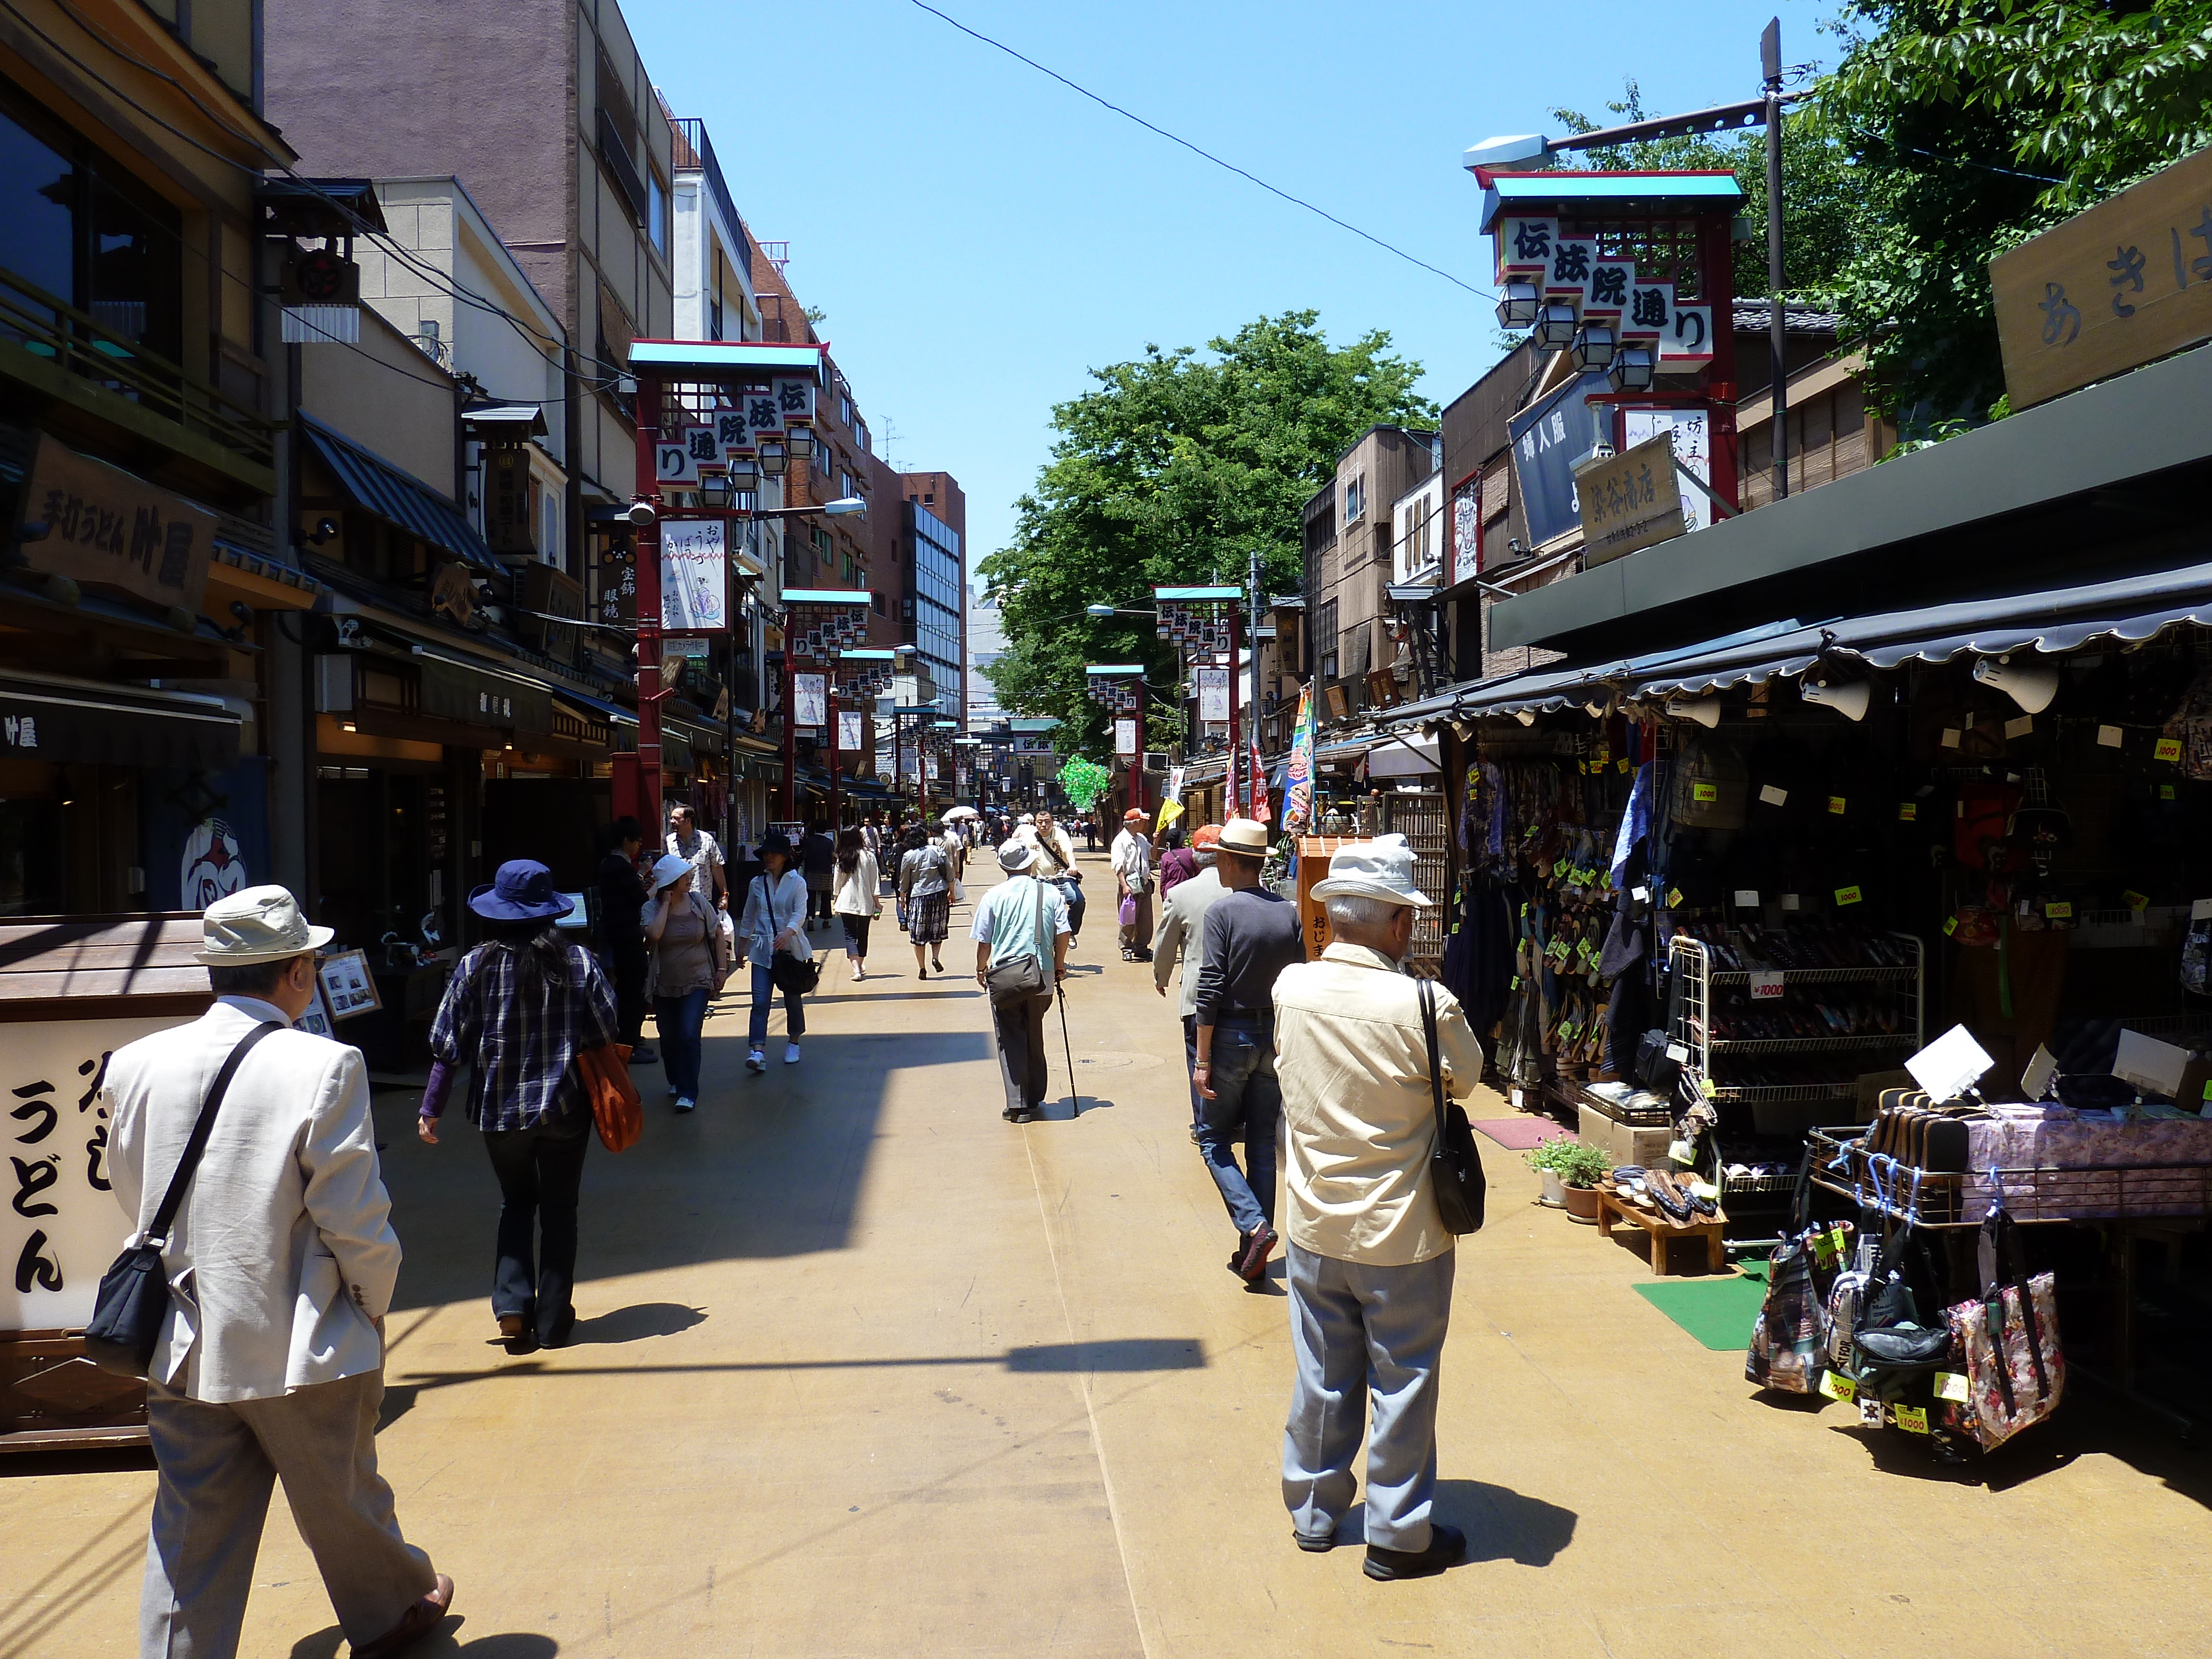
x=1247, y=1095
x=1190, y=1060
x=794, y=1014
x=679, y=1020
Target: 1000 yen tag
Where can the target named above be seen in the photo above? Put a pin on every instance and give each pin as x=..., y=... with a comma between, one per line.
x=1839, y=1388
x=1913, y=1419
x=1950, y=1385
x=2166, y=749
x=1765, y=987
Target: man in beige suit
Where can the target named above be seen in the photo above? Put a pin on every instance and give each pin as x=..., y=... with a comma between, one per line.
x=282, y=1263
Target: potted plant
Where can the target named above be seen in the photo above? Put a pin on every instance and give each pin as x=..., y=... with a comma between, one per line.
x=1581, y=1169
x=1547, y=1160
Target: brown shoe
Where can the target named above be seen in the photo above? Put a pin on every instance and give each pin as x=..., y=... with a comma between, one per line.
x=1254, y=1266
x=419, y=1620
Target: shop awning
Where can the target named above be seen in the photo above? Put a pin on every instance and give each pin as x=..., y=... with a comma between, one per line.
x=83, y=721
x=613, y=713
x=1405, y=757
x=2127, y=612
x=380, y=488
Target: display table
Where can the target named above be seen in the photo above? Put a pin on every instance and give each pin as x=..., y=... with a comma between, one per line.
x=1662, y=1232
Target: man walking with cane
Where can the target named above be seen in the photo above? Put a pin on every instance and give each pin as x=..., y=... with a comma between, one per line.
x=281, y=1262
x=1370, y=1260
x=1020, y=970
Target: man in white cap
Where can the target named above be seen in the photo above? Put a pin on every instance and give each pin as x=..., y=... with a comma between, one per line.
x=1371, y=1261
x=1024, y=917
x=281, y=1264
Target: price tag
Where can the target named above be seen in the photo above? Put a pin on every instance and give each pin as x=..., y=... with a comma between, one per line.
x=1711, y=1089
x=1585, y=950
x=2201, y=910
x=1848, y=895
x=1950, y=924
x=1950, y=737
x=2136, y=901
x=1836, y=804
x=1790, y=902
x=1908, y=811
x=1770, y=796
x=2108, y=736
x=2058, y=909
x=1839, y=1388
x=1674, y=897
x=1641, y=895
x=1677, y=1052
x=1872, y=1412
x=1704, y=792
x=2166, y=749
x=1622, y=764
x=1567, y=1030
x=1524, y=910
x=1952, y=1385
x=1514, y=984
x=1765, y=988
x=1557, y=952
x=2019, y=726
x=2166, y=791
x=1747, y=897
x=1913, y=1419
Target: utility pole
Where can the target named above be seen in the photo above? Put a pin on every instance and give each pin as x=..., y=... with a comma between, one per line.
x=1769, y=64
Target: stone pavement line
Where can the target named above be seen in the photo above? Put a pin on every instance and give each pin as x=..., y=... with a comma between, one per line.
x=1084, y=1383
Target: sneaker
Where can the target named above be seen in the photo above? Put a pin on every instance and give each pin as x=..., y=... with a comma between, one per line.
x=1447, y=1545
x=859, y=973
x=685, y=1103
x=790, y=1054
x=755, y=1061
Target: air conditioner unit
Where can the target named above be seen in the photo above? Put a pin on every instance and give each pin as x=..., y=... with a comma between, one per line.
x=1156, y=760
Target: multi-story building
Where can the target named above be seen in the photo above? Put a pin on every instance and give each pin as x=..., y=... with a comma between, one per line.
x=933, y=561
x=986, y=644
x=562, y=142
x=1350, y=534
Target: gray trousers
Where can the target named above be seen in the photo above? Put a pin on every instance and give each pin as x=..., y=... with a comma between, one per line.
x=1023, y=1064
x=217, y=1463
x=1360, y=1333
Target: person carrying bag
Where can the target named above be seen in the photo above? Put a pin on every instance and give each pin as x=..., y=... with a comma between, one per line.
x=1021, y=931
x=774, y=927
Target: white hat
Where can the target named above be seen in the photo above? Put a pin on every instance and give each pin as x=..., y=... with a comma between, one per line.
x=667, y=869
x=1382, y=868
x=1028, y=818
x=1015, y=856
x=256, y=924
x=1246, y=835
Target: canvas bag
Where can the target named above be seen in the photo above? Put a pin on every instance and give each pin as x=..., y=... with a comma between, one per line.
x=1711, y=786
x=2006, y=1343
x=1787, y=1351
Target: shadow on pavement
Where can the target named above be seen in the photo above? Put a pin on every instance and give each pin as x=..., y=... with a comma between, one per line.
x=634, y=1323
x=508, y=1645
x=768, y=1166
x=1500, y=1523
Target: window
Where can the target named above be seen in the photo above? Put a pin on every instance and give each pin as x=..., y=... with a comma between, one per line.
x=657, y=216
x=821, y=457
x=1325, y=639
x=1355, y=498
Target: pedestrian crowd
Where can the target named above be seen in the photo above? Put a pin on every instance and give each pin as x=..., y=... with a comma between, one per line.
x=245, y=1149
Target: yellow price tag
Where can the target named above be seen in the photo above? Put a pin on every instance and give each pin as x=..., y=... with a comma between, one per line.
x=2058, y=909
x=1836, y=804
x=1950, y=1385
x=1913, y=1419
x=1908, y=811
x=1704, y=792
x=2166, y=749
x=1839, y=1388
x=1848, y=895
x=2166, y=791
x=2136, y=901
x=1674, y=897
x=1711, y=1089
x=1622, y=764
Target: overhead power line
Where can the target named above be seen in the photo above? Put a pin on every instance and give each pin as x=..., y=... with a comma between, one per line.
x=1206, y=155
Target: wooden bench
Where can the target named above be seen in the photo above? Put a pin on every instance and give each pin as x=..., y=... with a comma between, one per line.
x=1662, y=1232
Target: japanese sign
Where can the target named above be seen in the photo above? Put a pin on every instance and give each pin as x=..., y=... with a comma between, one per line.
x=1693, y=448
x=106, y=528
x=2129, y=281
x=1629, y=500
x=809, y=699
x=695, y=585
x=672, y=463
x=1214, y=694
x=1548, y=439
x=1125, y=737
x=61, y=1226
x=848, y=732
x=1467, y=530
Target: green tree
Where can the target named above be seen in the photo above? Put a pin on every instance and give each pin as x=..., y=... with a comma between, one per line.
x=1083, y=781
x=1175, y=468
x=1973, y=124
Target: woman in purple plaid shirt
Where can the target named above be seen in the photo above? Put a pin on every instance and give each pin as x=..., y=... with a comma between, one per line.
x=518, y=1010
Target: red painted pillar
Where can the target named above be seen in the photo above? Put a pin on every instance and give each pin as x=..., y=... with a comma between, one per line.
x=1236, y=773
x=647, y=538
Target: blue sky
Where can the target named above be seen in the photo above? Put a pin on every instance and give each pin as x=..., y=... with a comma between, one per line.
x=981, y=236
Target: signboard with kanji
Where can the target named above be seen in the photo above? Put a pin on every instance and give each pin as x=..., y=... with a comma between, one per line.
x=108, y=528
x=2110, y=289
x=1629, y=499
x=694, y=575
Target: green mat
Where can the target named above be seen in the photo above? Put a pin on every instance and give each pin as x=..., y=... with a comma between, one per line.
x=1719, y=1312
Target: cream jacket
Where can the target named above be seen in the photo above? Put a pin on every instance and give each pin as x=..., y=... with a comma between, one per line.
x=283, y=1256
x=856, y=893
x=1182, y=934
x=1355, y=1077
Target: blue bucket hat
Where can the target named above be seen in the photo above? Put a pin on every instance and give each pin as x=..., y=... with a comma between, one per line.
x=522, y=891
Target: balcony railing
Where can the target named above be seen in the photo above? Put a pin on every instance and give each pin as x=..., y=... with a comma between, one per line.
x=58, y=337
x=694, y=149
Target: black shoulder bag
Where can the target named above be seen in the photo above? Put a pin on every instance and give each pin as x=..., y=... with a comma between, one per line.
x=1022, y=978
x=133, y=1301
x=1454, y=1162
x=786, y=972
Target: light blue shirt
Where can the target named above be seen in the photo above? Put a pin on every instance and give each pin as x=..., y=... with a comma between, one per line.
x=1006, y=920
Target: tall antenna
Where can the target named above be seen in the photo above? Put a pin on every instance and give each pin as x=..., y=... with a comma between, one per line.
x=890, y=433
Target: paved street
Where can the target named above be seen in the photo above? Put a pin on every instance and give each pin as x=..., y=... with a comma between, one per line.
x=864, y=1370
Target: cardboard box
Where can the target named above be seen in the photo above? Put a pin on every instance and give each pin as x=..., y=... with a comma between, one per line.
x=1622, y=1143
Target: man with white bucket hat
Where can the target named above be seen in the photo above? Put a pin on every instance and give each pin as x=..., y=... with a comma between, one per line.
x=281, y=1264
x=1371, y=1261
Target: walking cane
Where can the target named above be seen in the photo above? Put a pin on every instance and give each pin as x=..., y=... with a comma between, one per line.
x=1070, y=1047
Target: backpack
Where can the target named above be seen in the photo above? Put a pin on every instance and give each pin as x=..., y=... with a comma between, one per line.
x=1711, y=786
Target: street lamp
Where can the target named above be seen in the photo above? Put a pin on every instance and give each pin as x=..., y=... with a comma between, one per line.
x=846, y=507
x=1516, y=305
x=1108, y=612
x=1630, y=369
x=774, y=459
x=1555, y=328
x=1593, y=347
x=799, y=443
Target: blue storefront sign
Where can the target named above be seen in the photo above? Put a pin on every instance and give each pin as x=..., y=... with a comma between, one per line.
x=1548, y=438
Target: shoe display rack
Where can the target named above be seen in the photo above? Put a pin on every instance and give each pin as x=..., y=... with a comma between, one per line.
x=1779, y=1024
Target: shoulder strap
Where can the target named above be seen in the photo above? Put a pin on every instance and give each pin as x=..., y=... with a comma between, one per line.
x=158, y=1234
x=1426, y=991
x=1043, y=950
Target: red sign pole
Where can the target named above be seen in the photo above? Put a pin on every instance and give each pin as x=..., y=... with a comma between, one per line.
x=1236, y=774
x=647, y=538
x=790, y=714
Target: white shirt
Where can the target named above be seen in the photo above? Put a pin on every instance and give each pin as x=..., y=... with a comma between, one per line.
x=856, y=893
x=774, y=906
x=1061, y=844
x=1132, y=855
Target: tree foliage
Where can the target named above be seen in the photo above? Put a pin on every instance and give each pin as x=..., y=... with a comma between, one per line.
x=1973, y=124
x=1176, y=467
x=1083, y=781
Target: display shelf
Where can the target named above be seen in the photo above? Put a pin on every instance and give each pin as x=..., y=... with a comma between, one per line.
x=1783, y=1094
x=1813, y=976
x=1812, y=1045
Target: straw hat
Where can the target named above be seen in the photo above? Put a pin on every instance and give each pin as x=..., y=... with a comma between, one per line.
x=1248, y=836
x=1382, y=868
x=256, y=924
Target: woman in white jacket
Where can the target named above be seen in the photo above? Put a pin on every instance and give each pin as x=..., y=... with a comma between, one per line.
x=774, y=925
x=855, y=901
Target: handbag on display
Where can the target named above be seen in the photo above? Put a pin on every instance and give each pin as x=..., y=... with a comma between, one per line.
x=1454, y=1162
x=2006, y=1343
x=1894, y=1348
x=1788, y=1351
x=1023, y=977
x=132, y=1303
